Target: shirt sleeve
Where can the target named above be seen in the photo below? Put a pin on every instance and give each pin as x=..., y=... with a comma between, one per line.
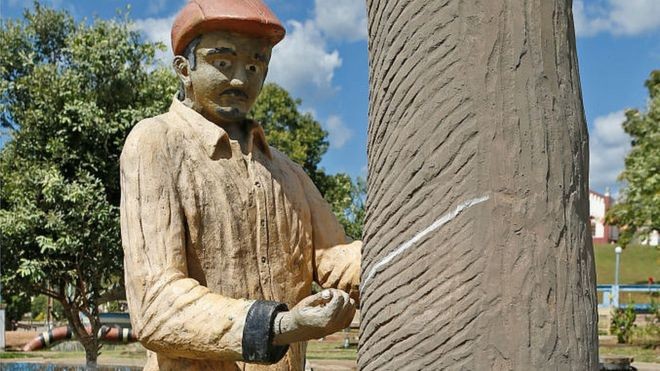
x=170, y=312
x=336, y=258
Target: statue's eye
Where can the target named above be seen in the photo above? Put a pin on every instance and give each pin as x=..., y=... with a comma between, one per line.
x=222, y=63
x=252, y=68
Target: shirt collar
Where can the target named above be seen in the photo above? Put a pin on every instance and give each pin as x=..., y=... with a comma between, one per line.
x=213, y=138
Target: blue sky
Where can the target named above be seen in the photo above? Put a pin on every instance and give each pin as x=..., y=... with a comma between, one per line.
x=323, y=61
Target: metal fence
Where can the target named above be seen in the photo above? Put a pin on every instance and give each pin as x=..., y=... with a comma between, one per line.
x=611, y=295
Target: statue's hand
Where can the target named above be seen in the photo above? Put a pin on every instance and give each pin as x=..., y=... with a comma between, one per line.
x=314, y=317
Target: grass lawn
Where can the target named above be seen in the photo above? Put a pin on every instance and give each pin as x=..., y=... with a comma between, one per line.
x=330, y=350
x=638, y=263
x=13, y=355
x=325, y=350
x=333, y=350
x=320, y=350
x=638, y=353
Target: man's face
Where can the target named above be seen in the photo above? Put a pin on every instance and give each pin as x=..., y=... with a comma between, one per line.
x=230, y=72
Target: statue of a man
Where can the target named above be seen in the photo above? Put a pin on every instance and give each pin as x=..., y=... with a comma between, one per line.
x=222, y=234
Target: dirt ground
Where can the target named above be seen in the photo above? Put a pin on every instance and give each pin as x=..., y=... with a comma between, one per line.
x=332, y=365
x=17, y=339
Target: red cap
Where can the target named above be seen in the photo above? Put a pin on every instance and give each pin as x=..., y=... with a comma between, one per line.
x=251, y=17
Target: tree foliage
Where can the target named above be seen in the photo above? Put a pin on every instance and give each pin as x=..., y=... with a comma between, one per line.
x=70, y=93
x=16, y=307
x=638, y=210
x=301, y=137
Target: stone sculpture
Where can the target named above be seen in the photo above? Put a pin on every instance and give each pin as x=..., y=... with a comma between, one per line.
x=222, y=233
x=477, y=250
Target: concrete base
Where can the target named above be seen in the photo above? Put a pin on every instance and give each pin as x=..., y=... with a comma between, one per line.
x=615, y=363
x=604, y=320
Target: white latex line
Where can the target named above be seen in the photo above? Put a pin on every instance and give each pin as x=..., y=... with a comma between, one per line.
x=411, y=242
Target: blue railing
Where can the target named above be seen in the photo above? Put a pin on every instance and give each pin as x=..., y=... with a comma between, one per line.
x=611, y=295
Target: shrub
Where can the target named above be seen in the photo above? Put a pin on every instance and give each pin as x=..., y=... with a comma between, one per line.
x=623, y=323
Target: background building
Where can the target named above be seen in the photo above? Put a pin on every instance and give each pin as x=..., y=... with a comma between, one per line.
x=599, y=204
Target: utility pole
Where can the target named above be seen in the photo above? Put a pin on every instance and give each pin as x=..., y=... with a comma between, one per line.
x=615, y=290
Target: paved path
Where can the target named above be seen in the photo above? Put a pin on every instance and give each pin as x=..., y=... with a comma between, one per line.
x=643, y=366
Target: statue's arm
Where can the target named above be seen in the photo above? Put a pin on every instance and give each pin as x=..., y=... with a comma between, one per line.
x=336, y=258
x=173, y=314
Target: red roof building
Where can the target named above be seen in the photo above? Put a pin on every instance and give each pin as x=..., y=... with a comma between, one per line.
x=599, y=204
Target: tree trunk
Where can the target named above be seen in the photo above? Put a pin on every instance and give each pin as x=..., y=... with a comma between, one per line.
x=91, y=356
x=91, y=343
x=88, y=340
x=477, y=250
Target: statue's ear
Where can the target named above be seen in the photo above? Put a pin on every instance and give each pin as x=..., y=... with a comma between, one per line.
x=182, y=69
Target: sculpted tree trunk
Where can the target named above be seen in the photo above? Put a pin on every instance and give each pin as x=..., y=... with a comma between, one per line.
x=478, y=253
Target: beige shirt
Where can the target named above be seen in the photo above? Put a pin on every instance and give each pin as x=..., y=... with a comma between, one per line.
x=207, y=230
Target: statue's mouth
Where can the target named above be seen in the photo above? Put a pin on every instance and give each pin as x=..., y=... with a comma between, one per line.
x=236, y=93
x=230, y=113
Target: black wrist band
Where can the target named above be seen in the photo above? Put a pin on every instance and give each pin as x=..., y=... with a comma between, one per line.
x=258, y=333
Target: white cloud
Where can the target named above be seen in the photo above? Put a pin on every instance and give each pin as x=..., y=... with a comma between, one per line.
x=341, y=19
x=617, y=17
x=310, y=110
x=609, y=145
x=158, y=29
x=302, y=64
x=156, y=6
x=338, y=133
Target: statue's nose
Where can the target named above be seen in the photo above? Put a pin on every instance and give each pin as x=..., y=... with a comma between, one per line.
x=238, y=80
x=236, y=83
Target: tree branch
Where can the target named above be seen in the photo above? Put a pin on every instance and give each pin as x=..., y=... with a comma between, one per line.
x=116, y=293
x=49, y=292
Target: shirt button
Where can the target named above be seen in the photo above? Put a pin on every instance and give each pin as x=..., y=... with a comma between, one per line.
x=257, y=184
x=263, y=259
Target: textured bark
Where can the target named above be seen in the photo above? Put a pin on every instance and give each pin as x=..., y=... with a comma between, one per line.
x=476, y=101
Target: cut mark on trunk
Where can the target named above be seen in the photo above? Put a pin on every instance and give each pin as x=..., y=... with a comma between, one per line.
x=411, y=242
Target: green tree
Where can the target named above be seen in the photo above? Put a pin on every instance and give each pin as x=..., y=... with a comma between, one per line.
x=69, y=95
x=638, y=210
x=347, y=199
x=39, y=309
x=303, y=139
x=16, y=307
